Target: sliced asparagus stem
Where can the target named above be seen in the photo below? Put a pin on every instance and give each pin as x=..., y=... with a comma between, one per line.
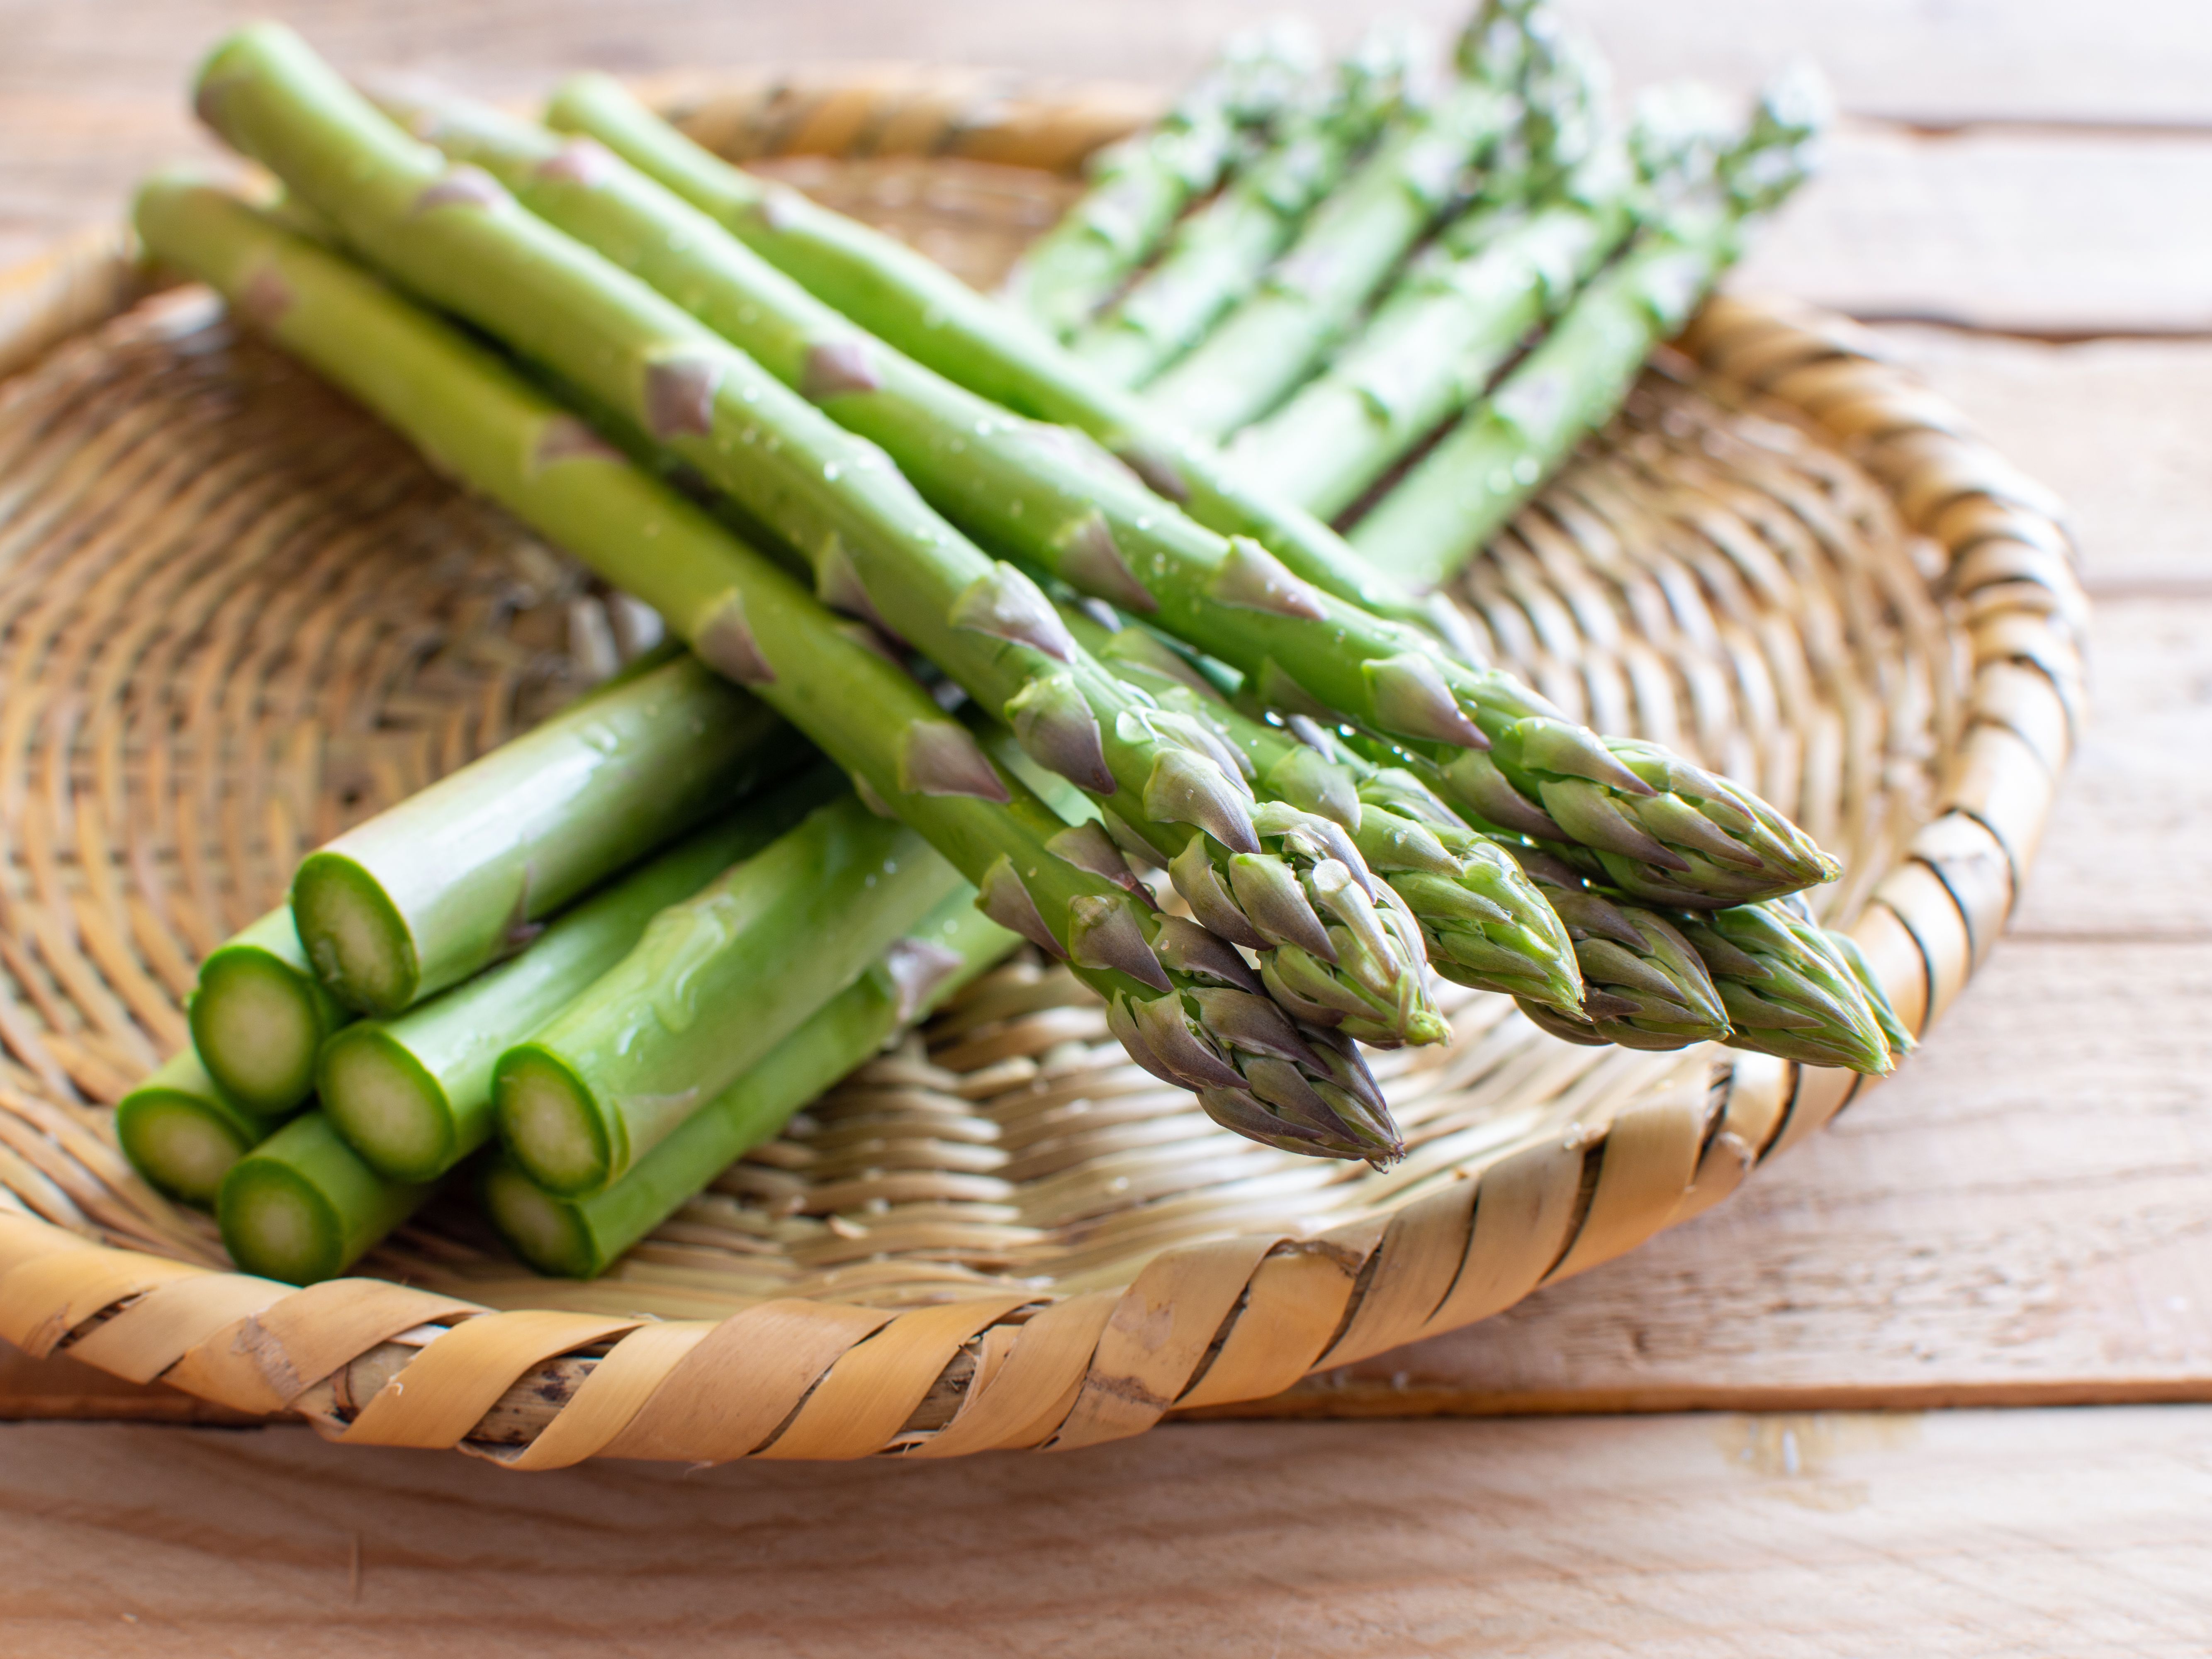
x=715, y=981
x=182, y=1132
x=1138, y=187
x=301, y=1206
x=580, y=1238
x=919, y=307
x=1347, y=251
x=259, y=1014
x=1219, y=251
x=412, y=1095
x=1186, y=995
x=1789, y=990
x=1439, y=514
x=456, y=878
x=876, y=549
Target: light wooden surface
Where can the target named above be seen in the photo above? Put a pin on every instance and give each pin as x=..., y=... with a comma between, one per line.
x=1953, y=1535
x=2048, y=1244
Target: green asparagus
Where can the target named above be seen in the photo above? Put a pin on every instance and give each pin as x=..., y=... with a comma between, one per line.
x=1219, y=251
x=1188, y=999
x=1459, y=312
x=1644, y=987
x=579, y=1238
x=1138, y=187
x=412, y=1095
x=1486, y=925
x=1305, y=649
x=921, y=309
x=259, y=1014
x=1271, y=343
x=1439, y=514
x=456, y=878
x=1787, y=987
x=303, y=1206
x=713, y=983
x=182, y=1132
x=876, y=549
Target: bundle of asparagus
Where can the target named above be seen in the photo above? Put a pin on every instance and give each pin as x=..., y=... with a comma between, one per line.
x=613, y=948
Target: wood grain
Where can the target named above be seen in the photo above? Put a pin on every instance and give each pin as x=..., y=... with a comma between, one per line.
x=1952, y=1536
x=2043, y=230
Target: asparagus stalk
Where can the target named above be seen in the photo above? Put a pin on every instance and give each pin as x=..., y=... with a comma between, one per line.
x=1344, y=254
x=259, y=1014
x=1219, y=251
x=1305, y=649
x=875, y=548
x=579, y=1238
x=1186, y=996
x=413, y=1096
x=1440, y=514
x=921, y=309
x=1789, y=990
x=458, y=877
x=182, y=1132
x=713, y=983
x=1138, y=187
x=1895, y=1037
x=303, y=1206
x=1460, y=310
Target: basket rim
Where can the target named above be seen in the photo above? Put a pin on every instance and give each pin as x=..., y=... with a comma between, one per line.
x=1208, y=1323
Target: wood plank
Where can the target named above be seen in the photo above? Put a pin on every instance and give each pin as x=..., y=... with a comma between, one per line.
x=2070, y=232
x=2042, y=232
x=1954, y=1536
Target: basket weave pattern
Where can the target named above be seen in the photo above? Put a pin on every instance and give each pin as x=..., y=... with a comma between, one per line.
x=240, y=616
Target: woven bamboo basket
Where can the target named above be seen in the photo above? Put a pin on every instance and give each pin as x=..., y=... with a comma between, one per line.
x=240, y=615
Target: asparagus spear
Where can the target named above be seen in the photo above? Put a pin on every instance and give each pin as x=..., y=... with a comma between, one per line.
x=1460, y=310
x=1789, y=990
x=1347, y=249
x=1186, y=996
x=1305, y=649
x=1219, y=251
x=1895, y=1037
x=303, y=1206
x=182, y=1132
x=1486, y=925
x=455, y=877
x=412, y=1095
x=259, y=1014
x=923, y=310
x=1435, y=518
x=715, y=981
x=875, y=546
x=1644, y=987
x=1138, y=187
x=579, y=1238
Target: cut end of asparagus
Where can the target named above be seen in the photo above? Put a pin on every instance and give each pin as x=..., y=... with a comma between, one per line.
x=355, y=935
x=541, y=1229
x=386, y=1106
x=256, y=1025
x=276, y=1225
x=183, y=1145
x=550, y=1124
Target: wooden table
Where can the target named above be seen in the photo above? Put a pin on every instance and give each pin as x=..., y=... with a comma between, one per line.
x=2023, y=201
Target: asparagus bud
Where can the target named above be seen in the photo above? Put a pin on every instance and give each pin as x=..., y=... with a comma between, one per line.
x=1138, y=187
x=1788, y=988
x=1644, y=985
